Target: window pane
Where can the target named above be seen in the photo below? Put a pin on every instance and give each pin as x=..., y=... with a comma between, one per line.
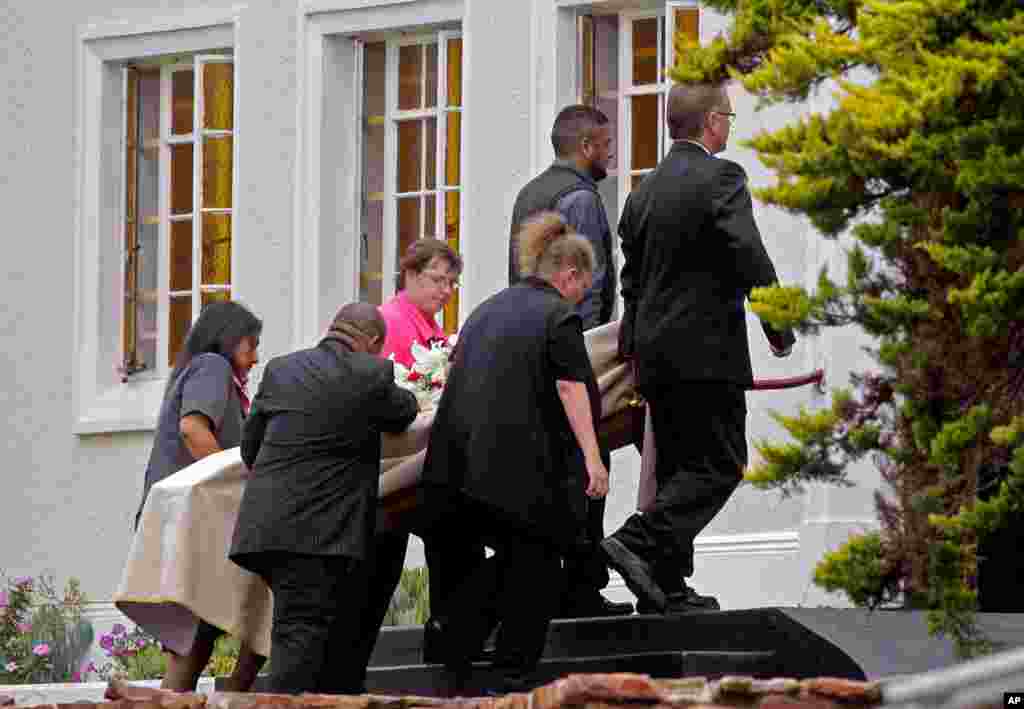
x=181, y=178
x=645, y=51
x=371, y=275
x=218, y=296
x=149, y=148
x=688, y=22
x=606, y=68
x=410, y=77
x=430, y=215
x=216, y=249
x=408, y=225
x=180, y=320
x=217, y=163
x=453, y=161
x=410, y=156
x=431, y=97
x=430, y=127
x=455, y=71
x=146, y=209
x=645, y=131
x=182, y=101
x=218, y=96
x=371, y=239
x=451, y=220
x=181, y=255
x=374, y=68
x=586, y=88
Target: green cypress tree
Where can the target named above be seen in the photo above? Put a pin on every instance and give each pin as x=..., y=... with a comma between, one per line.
x=921, y=161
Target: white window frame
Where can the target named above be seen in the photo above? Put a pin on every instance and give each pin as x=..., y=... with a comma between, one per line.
x=328, y=184
x=167, y=140
x=393, y=116
x=103, y=403
x=666, y=51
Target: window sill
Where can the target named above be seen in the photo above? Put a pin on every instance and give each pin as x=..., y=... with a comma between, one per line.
x=124, y=407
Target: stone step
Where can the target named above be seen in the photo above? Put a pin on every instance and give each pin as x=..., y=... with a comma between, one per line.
x=764, y=630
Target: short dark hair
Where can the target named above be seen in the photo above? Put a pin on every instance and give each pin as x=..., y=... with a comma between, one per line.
x=362, y=316
x=687, y=106
x=421, y=252
x=218, y=329
x=573, y=124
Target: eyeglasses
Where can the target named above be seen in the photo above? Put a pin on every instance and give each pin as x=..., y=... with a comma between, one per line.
x=442, y=281
x=729, y=116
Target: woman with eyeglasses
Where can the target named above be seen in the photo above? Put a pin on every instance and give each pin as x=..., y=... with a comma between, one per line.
x=429, y=275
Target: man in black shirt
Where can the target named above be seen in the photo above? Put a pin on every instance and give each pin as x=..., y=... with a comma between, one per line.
x=581, y=137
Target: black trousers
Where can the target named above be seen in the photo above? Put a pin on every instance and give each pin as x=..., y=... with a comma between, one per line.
x=509, y=588
x=700, y=431
x=319, y=606
x=585, y=573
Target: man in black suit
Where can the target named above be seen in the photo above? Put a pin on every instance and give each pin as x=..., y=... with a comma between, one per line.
x=692, y=254
x=307, y=517
x=582, y=139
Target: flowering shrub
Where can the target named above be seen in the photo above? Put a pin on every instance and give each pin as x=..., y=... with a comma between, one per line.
x=43, y=637
x=134, y=655
x=428, y=374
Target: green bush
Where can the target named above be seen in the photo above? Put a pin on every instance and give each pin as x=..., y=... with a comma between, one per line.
x=410, y=604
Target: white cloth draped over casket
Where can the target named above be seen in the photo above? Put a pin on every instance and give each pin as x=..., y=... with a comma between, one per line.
x=177, y=570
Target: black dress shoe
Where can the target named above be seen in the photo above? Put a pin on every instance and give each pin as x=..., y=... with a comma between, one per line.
x=434, y=651
x=636, y=572
x=593, y=605
x=682, y=602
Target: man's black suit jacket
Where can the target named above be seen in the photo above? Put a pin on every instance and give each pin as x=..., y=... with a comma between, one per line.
x=312, y=443
x=692, y=254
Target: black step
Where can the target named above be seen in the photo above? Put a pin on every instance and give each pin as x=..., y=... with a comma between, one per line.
x=744, y=631
x=433, y=681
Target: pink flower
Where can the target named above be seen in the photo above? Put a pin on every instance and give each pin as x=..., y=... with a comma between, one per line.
x=106, y=641
x=41, y=650
x=11, y=667
x=24, y=628
x=91, y=667
x=76, y=676
x=24, y=582
x=118, y=629
x=3, y=599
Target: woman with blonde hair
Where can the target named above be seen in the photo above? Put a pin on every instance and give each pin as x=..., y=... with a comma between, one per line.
x=513, y=453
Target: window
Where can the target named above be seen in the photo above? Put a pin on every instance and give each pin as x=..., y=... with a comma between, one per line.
x=621, y=69
x=178, y=177
x=412, y=122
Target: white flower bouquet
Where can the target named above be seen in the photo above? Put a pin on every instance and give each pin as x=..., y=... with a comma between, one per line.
x=428, y=374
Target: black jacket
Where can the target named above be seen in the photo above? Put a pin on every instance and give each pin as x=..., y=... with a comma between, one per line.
x=500, y=435
x=312, y=443
x=692, y=255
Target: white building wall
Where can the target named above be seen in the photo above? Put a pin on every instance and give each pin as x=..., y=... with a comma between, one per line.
x=68, y=499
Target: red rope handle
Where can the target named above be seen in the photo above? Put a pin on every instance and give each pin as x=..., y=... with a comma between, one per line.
x=817, y=377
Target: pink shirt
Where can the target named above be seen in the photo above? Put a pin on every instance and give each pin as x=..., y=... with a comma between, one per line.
x=406, y=324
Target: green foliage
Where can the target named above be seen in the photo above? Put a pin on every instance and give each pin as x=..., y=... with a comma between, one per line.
x=133, y=655
x=921, y=163
x=410, y=604
x=858, y=569
x=225, y=657
x=43, y=637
